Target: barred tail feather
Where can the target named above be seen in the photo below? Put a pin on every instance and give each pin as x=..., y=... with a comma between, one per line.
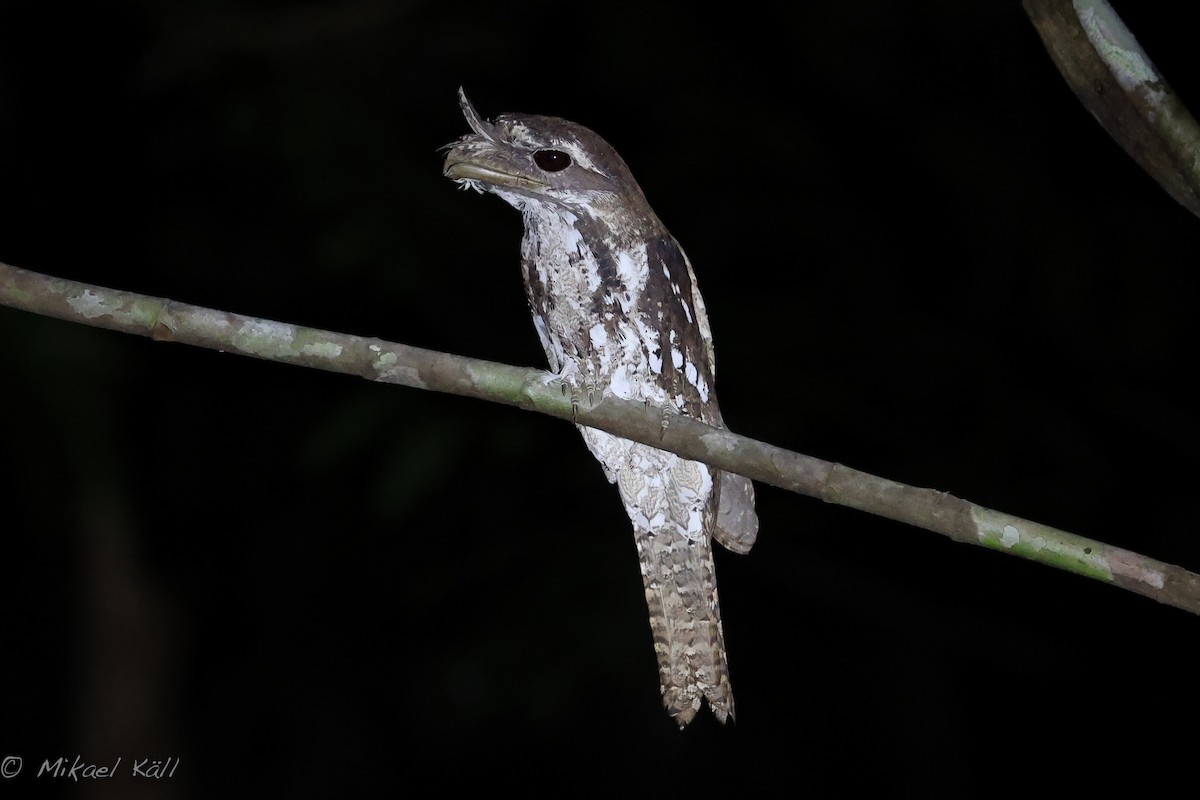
x=673, y=505
x=681, y=594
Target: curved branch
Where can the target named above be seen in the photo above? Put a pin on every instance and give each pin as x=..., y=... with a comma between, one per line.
x=1116, y=81
x=534, y=390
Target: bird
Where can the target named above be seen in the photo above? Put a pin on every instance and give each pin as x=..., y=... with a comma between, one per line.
x=617, y=309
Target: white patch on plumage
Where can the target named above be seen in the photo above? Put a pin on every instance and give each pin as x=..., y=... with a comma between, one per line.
x=599, y=337
x=632, y=270
x=687, y=311
x=701, y=316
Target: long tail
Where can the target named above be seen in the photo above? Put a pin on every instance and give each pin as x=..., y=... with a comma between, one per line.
x=673, y=504
x=685, y=619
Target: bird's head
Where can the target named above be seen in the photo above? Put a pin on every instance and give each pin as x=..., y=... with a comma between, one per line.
x=526, y=158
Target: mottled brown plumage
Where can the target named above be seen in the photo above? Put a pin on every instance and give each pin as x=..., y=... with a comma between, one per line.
x=617, y=309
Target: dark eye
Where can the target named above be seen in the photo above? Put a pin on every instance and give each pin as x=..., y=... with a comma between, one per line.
x=552, y=160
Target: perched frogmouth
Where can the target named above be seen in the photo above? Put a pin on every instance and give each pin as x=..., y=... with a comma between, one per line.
x=617, y=309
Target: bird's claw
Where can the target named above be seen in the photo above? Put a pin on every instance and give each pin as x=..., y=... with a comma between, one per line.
x=571, y=386
x=593, y=393
x=664, y=421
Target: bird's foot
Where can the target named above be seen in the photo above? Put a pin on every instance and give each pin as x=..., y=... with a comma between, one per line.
x=593, y=391
x=574, y=385
x=664, y=421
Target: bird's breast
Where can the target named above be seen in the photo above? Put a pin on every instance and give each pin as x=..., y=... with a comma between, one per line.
x=585, y=291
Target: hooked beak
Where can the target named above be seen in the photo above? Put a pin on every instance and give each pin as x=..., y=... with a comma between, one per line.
x=481, y=158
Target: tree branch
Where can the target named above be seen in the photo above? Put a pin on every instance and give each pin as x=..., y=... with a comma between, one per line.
x=1116, y=81
x=534, y=390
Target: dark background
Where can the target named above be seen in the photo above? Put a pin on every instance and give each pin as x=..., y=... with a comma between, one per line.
x=921, y=256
